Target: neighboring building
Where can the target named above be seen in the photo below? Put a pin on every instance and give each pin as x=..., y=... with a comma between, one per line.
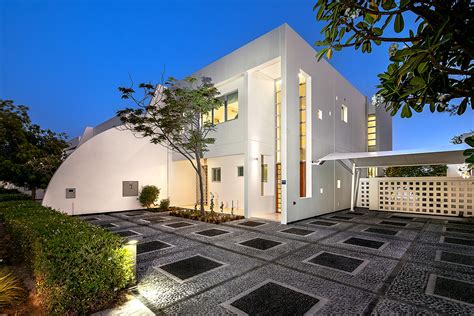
x=283, y=110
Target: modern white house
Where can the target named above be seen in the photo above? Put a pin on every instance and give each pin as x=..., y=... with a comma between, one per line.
x=283, y=111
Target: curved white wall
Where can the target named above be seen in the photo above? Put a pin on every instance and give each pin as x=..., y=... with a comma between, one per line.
x=97, y=168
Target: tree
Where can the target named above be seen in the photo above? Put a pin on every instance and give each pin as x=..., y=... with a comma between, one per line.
x=417, y=171
x=172, y=115
x=467, y=138
x=433, y=66
x=29, y=155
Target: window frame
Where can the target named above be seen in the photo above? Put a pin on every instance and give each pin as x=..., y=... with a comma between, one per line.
x=225, y=104
x=240, y=168
x=214, y=172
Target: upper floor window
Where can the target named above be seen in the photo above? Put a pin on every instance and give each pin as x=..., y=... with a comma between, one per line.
x=240, y=171
x=227, y=112
x=344, y=113
x=216, y=174
x=371, y=132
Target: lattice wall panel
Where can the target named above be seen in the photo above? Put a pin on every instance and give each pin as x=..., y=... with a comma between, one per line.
x=363, y=194
x=436, y=196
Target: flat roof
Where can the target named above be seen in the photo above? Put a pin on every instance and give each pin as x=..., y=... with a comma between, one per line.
x=398, y=158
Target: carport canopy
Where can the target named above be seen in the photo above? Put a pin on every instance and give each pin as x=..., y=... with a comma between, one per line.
x=395, y=158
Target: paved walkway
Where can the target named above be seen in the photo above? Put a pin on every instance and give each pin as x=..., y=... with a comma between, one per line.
x=363, y=262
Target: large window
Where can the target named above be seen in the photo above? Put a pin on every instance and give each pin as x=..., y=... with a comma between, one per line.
x=302, y=107
x=278, y=144
x=371, y=132
x=227, y=112
x=216, y=174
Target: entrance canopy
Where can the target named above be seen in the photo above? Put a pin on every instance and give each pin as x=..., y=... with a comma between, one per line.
x=397, y=158
x=391, y=158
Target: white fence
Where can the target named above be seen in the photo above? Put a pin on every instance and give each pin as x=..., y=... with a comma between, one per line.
x=430, y=195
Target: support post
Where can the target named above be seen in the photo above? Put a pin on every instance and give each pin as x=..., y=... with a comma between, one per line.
x=353, y=185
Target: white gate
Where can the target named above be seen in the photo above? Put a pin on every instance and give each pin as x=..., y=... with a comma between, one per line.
x=430, y=195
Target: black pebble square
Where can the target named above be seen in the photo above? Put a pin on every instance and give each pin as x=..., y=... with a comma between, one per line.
x=347, y=218
x=251, y=224
x=323, y=223
x=212, y=232
x=454, y=289
x=151, y=246
x=381, y=231
x=178, y=225
x=190, y=267
x=260, y=243
x=136, y=214
x=356, y=213
x=393, y=223
x=108, y=225
x=273, y=299
x=457, y=258
x=335, y=261
x=297, y=231
x=459, y=241
x=368, y=243
x=126, y=233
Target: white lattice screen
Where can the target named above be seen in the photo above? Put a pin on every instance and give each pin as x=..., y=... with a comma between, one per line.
x=363, y=194
x=436, y=196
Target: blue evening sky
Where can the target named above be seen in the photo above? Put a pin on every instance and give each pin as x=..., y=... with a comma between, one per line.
x=65, y=58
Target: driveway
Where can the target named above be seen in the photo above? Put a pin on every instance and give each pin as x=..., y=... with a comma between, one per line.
x=361, y=262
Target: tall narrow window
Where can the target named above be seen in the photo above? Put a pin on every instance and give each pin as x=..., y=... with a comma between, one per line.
x=264, y=175
x=344, y=113
x=219, y=114
x=372, y=172
x=216, y=174
x=278, y=145
x=371, y=132
x=302, y=108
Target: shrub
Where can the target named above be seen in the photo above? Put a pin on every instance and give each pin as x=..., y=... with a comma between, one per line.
x=165, y=204
x=149, y=195
x=11, y=289
x=77, y=267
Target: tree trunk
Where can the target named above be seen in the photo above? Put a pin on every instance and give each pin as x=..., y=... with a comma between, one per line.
x=201, y=185
x=33, y=194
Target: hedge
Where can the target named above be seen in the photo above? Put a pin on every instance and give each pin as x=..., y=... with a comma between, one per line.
x=78, y=267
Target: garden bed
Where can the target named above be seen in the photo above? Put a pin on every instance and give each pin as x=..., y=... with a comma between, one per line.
x=208, y=217
x=77, y=268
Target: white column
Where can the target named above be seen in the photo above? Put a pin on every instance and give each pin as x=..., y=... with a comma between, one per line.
x=353, y=185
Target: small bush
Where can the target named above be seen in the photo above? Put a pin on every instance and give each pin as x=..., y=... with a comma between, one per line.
x=14, y=196
x=149, y=195
x=165, y=204
x=78, y=268
x=11, y=289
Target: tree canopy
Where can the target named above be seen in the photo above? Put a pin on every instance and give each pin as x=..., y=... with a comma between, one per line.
x=431, y=62
x=417, y=171
x=172, y=115
x=29, y=155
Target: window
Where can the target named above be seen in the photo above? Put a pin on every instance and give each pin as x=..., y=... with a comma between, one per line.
x=264, y=173
x=302, y=91
x=371, y=132
x=278, y=144
x=344, y=113
x=338, y=184
x=320, y=114
x=240, y=171
x=228, y=111
x=372, y=172
x=216, y=174
x=232, y=106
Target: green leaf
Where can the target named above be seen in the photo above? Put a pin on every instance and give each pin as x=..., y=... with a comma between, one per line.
x=470, y=141
x=329, y=53
x=422, y=67
x=388, y=4
x=462, y=107
x=406, y=111
x=399, y=24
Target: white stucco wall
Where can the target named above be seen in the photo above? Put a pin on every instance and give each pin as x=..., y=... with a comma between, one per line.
x=97, y=168
x=231, y=187
x=329, y=91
